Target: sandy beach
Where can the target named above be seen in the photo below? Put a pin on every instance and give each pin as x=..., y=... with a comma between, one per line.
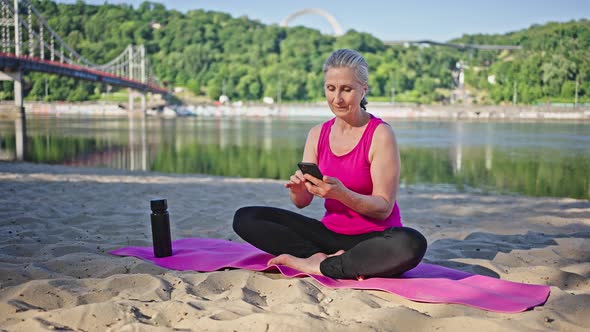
x=58, y=224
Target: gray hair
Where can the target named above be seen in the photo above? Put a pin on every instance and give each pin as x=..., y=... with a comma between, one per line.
x=350, y=59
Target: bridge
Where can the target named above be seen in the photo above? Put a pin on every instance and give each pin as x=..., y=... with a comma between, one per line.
x=455, y=45
x=48, y=53
x=458, y=74
x=315, y=11
x=338, y=31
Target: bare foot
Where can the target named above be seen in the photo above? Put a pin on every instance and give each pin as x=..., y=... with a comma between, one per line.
x=309, y=265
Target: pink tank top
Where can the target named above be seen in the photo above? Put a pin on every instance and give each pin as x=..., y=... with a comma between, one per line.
x=354, y=170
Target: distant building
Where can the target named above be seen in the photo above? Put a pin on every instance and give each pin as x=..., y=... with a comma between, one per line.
x=223, y=99
x=492, y=79
x=155, y=25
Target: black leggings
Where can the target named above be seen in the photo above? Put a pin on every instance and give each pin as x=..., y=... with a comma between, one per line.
x=377, y=254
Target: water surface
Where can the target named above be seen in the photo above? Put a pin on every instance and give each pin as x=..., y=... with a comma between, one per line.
x=536, y=159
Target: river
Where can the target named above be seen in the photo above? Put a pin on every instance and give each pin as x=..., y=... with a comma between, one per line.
x=530, y=158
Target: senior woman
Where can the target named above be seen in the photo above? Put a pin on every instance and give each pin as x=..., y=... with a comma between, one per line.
x=361, y=234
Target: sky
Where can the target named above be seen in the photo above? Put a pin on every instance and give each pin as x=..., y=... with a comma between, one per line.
x=394, y=19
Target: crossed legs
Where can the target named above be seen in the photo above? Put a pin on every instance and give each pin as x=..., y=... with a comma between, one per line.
x=308, y=246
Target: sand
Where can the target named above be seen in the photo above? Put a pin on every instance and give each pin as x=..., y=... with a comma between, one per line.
x=57, y=225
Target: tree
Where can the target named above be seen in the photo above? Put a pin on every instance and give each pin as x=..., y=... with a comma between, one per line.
x=555, y=73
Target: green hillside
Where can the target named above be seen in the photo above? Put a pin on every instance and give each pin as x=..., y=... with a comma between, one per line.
x=554, y=57
x=211, y=53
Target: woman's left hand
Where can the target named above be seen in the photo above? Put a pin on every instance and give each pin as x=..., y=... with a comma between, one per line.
x=328, y=187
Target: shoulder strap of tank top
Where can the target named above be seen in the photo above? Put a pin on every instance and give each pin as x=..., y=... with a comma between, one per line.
x=368, y=134
x=324, y=138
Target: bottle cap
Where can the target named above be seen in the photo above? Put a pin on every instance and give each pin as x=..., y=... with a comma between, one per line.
x=159, y=205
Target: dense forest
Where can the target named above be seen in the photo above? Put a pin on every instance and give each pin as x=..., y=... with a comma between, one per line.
x=213, y=53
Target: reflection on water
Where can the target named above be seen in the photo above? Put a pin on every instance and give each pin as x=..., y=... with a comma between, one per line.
x=537, y=159
x=20, y=133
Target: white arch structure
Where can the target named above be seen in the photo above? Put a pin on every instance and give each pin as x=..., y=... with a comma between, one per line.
x=331, y=19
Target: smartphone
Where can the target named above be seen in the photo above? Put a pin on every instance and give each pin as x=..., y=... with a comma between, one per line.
x=311, y=169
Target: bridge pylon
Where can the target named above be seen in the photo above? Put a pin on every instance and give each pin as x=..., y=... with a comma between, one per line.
x=143, y=100
x=17, y=78
x=17, y=75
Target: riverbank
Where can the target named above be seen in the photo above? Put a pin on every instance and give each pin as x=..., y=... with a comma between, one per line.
x=474, y=112
x=58, y=224
x=384, y=110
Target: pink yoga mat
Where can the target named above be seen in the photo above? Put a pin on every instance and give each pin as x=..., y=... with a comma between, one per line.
x=425, y=283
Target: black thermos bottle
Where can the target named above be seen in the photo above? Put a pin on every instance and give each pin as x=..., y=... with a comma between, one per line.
x=161, y=228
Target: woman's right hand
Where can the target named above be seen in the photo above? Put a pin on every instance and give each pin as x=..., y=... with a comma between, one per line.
x=297, y=190
x=296, y=183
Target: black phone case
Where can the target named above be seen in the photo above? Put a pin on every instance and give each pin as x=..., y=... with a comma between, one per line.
x=310, y=168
